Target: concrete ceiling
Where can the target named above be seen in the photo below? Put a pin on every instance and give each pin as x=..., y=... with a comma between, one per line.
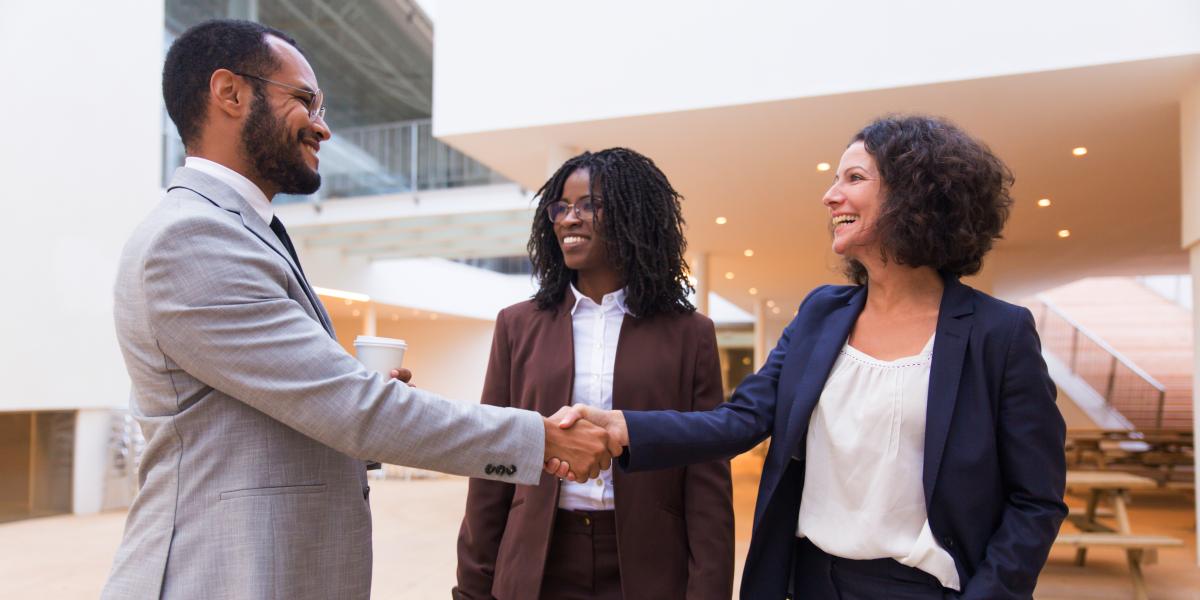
x=756, y=165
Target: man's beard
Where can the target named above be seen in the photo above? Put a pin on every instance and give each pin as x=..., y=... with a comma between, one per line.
x=274, y=157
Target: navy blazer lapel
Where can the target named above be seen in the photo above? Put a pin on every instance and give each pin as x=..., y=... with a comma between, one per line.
x=224, y=197
x=835, y=330
x=949, y=351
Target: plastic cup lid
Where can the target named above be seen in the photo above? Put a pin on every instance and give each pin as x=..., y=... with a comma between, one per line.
x=367, y=340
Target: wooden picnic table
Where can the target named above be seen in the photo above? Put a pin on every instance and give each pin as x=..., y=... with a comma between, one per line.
x=1160, y=454
x=1114, y=486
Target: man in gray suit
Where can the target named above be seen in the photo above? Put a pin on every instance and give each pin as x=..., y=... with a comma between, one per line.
x=257, y=423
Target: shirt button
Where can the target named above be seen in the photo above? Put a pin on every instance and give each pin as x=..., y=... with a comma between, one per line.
x=599, y=483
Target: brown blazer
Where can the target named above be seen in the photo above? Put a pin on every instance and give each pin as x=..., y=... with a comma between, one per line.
x=674, y=527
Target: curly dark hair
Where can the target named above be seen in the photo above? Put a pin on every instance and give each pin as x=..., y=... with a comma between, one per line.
x=642, y=226
x=947, y=196
x=240, y=46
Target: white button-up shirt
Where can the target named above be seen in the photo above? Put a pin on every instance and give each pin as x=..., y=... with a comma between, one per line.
x=596, y=329
x=244, y=187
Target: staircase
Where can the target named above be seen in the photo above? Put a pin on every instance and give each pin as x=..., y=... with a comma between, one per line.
x=1121, y=351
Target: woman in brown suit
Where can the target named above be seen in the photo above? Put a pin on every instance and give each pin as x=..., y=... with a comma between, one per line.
x=610, y=326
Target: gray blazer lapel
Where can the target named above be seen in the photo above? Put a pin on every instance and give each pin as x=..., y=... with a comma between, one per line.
x=949, y=350
x=226, y=198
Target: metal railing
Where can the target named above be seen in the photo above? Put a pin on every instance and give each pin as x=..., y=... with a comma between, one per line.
x=388, y=158
x=1124, y=385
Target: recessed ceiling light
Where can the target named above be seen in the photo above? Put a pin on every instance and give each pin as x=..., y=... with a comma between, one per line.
x=729, y=275
x=822, y=167
x=775, y=310
x=357, y=313
x=753, y=291
x=1062, y=233
x=748, y=252
x=1044, y=202
x=722, y=220
x=1080, y=151
x=771, y=303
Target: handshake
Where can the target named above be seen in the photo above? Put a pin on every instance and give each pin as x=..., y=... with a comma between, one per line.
x=581, y=441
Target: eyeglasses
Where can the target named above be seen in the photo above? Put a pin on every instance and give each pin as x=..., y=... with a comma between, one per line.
x=584, y=210
x=315, y=102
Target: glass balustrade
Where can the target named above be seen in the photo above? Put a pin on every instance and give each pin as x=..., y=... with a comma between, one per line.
x=372, y=160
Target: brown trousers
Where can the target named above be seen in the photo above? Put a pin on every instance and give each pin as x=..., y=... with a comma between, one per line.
x=582, y=561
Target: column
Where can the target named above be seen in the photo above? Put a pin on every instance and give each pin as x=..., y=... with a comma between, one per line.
x=369, y=319
x=760, y=333
x=699, y=267
x=92, y=429
x=1189, y=138
x=1194, y=254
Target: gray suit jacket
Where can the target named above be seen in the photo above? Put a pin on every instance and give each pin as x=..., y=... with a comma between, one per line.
x=257, y=423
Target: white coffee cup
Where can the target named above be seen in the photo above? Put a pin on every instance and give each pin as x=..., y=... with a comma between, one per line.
x=380, y=354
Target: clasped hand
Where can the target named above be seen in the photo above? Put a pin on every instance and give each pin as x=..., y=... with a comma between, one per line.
x=586, y=437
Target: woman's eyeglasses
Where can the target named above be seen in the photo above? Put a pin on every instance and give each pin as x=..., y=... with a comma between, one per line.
x=584, y=210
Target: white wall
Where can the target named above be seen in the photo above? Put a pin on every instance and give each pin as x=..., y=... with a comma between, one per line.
x=79, y=166
x=686, y=54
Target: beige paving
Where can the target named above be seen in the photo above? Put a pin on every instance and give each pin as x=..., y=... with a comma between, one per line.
x=416, y=524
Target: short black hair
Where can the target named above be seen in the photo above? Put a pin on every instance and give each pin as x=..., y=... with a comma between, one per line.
x=643, y=229
x=947, y=196
x=239, y=46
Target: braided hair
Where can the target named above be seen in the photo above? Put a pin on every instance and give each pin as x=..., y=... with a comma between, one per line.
x=642, y=227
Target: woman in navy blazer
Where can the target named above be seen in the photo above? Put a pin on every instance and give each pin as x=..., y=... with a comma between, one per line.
x=915, y=204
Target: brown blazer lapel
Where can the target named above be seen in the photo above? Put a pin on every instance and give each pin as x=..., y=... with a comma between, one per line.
x=631, y=348
x=560, y=352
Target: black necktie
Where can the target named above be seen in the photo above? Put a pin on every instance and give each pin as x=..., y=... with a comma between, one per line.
x=281, y=233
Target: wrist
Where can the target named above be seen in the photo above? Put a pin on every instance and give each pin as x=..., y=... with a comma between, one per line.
x=622, y=430
x=550, y=429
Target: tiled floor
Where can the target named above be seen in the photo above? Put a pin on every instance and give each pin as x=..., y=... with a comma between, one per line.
x=416, y=525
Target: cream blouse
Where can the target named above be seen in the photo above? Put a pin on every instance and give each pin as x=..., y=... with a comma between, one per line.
x=863, y=498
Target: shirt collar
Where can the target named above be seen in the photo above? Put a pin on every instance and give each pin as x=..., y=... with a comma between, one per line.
x=616, y=298
x=244, y=187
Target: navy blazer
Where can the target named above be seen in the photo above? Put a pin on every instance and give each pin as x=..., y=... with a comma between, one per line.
x=994, y=467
